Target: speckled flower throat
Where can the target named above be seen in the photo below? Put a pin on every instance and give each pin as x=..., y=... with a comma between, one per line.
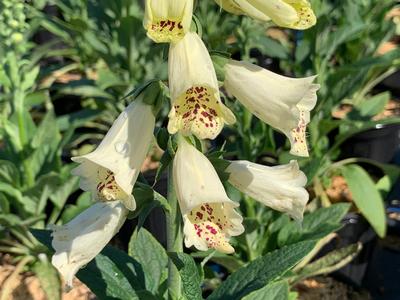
x=166, y=31
x=305, y=14
x=211, y=224
x=198, y=112
x=107, y=187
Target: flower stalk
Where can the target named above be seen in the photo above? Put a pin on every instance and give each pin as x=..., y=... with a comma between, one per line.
x=174, y=238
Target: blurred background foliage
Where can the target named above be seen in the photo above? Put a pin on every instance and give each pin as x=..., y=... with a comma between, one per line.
x=66, y=65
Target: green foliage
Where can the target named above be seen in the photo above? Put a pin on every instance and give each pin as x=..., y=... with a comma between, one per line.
x=262, y=271
x=366, y=197
x=145, y=249
x=276, y=290
x=190, y=276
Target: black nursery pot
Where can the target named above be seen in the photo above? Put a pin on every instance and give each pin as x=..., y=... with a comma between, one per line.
x=381, y=143
x=355, y=229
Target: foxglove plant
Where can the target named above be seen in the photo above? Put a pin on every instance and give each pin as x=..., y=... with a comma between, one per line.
x=210, y=218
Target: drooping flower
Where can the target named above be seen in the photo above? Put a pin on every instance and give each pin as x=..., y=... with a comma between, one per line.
x=110, y=172
x=279, y=187
x=296, y=14
x=209, y=216
x=196, y=105
x=167, y=20
x=79, y=241
x=282, y=102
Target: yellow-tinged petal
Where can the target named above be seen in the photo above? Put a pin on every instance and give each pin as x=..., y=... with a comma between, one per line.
x=279, y=187
x=167, y=20
x=196, y=105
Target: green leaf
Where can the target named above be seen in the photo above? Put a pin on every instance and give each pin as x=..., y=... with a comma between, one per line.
x=374, y=105
x=29, y=78
x=62, y=193
x=190, y=276
x=329, y=263
x=9, y=173
x=315, y=225
x=366, y=197
x=370, y=107
x=275, y=291
x=47, y=132
x=151, y=255
x=48, y=277
x=262, y=271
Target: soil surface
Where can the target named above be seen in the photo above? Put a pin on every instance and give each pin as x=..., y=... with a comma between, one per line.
x=327, y=288
x=27, y=286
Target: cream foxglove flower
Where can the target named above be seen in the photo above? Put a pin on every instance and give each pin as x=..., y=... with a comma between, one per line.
x=196, y=105
x=167, y=20
x=209, y=216
x=110, y=172
x=296, y=14
x=282, y=102
x=280, y=187
x=79, y=241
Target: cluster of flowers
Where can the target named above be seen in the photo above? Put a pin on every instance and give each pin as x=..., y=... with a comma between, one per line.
x=209, y=216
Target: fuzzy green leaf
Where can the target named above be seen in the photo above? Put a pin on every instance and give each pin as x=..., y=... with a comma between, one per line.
x=262, y=271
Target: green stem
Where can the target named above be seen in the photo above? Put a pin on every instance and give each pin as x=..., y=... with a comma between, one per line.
x=174, y=238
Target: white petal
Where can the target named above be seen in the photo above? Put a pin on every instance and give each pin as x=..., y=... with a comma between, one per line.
x=279, y=187
x=167, y=20
x=209, y=215
x=282, y=102
x=242, y=7
x=79, y=241
x=196, y=181
x=196, y=105
x=122, y=151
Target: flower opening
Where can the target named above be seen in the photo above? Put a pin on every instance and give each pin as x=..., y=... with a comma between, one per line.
x=167, y=20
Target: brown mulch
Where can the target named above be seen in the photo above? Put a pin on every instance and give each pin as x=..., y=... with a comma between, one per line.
x=27, y=286
x=327, y=288
x=339, y=190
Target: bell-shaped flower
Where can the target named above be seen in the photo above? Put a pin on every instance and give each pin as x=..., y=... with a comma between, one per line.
x=110, y=172
x=209, y=216
x=196, y=105
x=295, y=14
x=282, y=102
x=279, y=187
x=79, y=241
x=167, y=20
